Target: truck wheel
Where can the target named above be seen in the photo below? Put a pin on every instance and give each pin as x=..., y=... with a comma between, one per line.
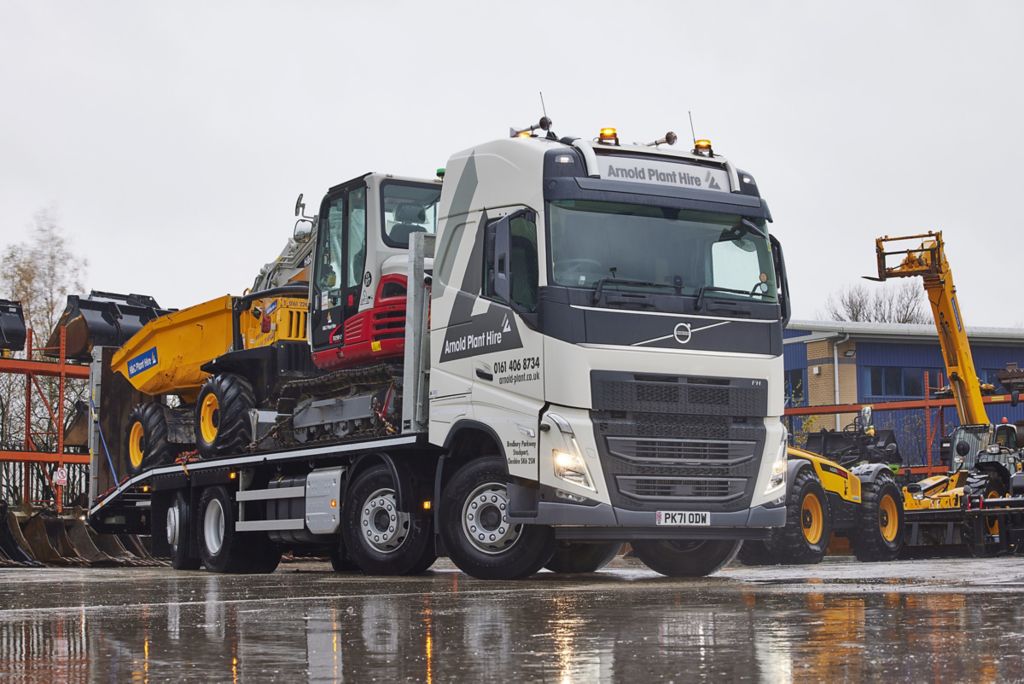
x=340, y=559
x=264, y=555
x=146, y=440
x=221, y=547
x=686, y=558
x=755, y=552
x=177, y=535
x=379, y=538
x=577, y=558
x=879, y=532
x=808, y=529
x=475, y=528
x=222, y=415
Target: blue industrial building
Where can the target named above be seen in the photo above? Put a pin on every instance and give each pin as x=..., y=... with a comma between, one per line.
x=829, y=362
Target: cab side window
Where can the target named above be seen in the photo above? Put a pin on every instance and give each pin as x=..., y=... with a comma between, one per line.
x=510, y=261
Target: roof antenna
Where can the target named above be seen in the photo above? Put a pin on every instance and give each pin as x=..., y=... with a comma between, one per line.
x=692, y=131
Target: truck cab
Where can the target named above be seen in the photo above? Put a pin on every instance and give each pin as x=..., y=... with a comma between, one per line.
x=608, y=319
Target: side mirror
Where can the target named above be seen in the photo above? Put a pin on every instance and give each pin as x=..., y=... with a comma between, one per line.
x=782, y=280
x=891, y=449
x=1014, y=397
x=300, y=206
x=303, y=230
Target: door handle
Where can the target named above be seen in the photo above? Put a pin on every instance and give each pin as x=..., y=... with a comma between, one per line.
x=484, y=375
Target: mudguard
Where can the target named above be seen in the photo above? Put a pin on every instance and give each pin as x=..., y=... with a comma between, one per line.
x=869, y=472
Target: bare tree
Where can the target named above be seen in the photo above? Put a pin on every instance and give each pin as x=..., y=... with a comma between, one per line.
x=902, y=302
x=39, y=272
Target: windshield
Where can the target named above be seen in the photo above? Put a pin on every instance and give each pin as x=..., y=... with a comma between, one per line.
x=408, y=208
x=656, y=248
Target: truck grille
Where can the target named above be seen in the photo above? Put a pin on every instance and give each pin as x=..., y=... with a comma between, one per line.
x=681, y=489
x=678, y=442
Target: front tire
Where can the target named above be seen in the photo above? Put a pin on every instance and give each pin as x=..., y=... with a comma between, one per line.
x=879, y=533
x=577, y=558
x=686, y=558
x=805, y=538
x=380, y=539
x=980, y=538
x=146, y=441
x=475, y=528
x=222, y=415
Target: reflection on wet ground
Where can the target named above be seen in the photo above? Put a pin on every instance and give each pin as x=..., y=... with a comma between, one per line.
x=955, y=620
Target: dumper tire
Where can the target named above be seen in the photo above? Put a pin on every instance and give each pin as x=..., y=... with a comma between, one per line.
x=755, y=552
x=880, y=529
x=146, y=439
x=380, y=539
x=685, y=557
x=580, y=557
x=498, y=550
x=989, y=485
x=222, y=415
x=805, y=537
x=221, y=547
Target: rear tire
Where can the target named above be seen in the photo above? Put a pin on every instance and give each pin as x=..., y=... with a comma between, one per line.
x=475, y=502
x=576, y=557
x=178, y=529
x=222, y=415
x=380, y=539
x=879, y=532
x=221, y=547
x=686, y=558
x=146, y=443
x=804, y=539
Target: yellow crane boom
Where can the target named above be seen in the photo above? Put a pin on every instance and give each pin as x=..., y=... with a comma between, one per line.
x=929, y=261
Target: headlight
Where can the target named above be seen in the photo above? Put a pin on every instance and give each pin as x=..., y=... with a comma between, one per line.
x=777, y=478
x=571, y=467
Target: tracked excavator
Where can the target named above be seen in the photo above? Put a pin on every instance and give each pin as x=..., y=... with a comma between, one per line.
x=985, y=462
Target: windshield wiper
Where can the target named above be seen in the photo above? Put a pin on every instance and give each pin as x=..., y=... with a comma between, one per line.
x=625, y=281
x=713, y=288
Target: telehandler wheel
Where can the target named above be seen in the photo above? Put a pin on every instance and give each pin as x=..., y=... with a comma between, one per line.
x=182, y=557
x=686, y=558
x=476, y=531
x=221, y=547
x=808, y=529
x=991, y=486
x=380, y=539
x=222, y=415
x=879, y=532
x=578, y=557
x=146, y=440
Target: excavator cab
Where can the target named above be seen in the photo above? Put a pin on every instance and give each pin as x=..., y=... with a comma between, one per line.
x=358, y=288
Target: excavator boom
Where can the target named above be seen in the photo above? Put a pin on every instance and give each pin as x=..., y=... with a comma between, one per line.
x=928, y=260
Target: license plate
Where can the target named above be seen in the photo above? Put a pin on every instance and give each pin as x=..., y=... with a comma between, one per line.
x=683, y=518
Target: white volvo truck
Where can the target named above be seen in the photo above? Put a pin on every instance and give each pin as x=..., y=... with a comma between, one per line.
x=593, y=357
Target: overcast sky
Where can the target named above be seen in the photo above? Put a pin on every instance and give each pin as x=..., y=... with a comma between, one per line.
x=172, y=138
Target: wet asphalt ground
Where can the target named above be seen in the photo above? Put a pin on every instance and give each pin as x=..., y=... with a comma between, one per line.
x=938, y=620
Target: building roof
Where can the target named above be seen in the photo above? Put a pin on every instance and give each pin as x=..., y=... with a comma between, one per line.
x=895, y=332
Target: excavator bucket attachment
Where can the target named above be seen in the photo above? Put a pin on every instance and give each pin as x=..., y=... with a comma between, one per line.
x=43, y=547
x=12, y=543
x=12, y=326
x=103, y=319
x=84, y=546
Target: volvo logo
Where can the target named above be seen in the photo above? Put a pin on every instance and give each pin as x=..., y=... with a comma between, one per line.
x=682, y=333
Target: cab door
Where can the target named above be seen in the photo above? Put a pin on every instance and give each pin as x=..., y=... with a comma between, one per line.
x=337, y=269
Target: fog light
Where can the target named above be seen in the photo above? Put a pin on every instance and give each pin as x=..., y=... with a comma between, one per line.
x=571, y=467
